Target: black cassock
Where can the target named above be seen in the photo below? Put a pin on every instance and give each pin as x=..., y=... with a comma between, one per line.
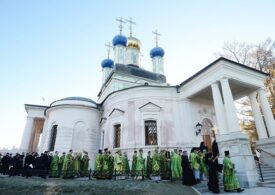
x=187, y=173
x=213, y=184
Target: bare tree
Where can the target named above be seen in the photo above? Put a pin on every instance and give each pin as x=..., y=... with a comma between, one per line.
x=260, y=56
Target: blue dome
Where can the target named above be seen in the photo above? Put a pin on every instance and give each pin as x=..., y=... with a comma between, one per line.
x=120, y=40
x=157, y=51
x=107, y=63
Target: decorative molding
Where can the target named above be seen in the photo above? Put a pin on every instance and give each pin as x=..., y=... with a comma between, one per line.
x=116, y=112
x=150, y=107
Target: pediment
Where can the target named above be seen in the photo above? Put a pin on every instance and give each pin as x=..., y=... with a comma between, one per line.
x=116, y=112
x=150, y=107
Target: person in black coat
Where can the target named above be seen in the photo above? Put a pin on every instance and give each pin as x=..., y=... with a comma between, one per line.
x=203, y=147
x=187, y=173
x=213, y=165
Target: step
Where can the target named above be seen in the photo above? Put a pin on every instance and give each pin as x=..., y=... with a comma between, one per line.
x=266, y=168
x=268, y=174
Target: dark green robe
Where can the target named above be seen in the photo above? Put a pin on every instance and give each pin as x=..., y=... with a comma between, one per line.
x=148, y=166
x=60, y=164
x=68, y=166
x=54, y=172
x=85, y=165
x=126, y=167
x=134, y=163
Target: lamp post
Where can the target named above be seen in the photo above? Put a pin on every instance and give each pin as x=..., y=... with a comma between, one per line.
x=198, y=127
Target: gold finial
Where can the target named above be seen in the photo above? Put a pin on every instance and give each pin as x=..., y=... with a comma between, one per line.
x=157, y=34
x=131, y=22
x=109, y=48
x=120, y=20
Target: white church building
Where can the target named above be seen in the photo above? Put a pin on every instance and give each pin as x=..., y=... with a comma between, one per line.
x=137, y=108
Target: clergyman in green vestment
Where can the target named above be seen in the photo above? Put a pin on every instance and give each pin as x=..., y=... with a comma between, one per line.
x=176, y=169
x=54, y=172
x=67, y=169
x=230, y=181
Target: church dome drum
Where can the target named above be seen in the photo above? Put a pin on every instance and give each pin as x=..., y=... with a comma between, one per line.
x=120, y=40
x=157, y=51
x=107, y=63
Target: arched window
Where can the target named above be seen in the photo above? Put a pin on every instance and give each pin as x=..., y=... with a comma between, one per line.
x=151, y=135
x=117, y=134
x=53, y=138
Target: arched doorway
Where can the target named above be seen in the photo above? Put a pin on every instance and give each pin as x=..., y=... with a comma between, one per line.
x=207, y=126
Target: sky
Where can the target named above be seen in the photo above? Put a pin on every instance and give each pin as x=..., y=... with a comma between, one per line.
x=53, y=49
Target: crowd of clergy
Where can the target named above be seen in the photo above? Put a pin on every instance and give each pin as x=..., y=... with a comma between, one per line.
x=157, y=165
x=68, y=165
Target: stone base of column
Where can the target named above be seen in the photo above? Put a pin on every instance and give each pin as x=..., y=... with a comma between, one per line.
x=240, y=153
x=268, y=150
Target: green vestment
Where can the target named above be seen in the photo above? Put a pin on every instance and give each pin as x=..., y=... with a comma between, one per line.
x=156, y=164
x=203, y=168
x=98, y=165
x=60, y=164
x=85, y=165
x=176, y=168
x=106, y=165
x=134, y=164
x=76, y=164
x=126, y=167
x=118, y=163
x=194, y=161
x=68, y=166
x=54, y=166
x=140, y=166
x=230, y=181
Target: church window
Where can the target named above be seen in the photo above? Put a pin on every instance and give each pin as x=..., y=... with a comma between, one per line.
x=151, y=136
x=117, y=133
x=53, y=138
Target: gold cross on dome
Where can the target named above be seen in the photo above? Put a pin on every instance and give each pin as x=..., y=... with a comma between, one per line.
x=131, y=22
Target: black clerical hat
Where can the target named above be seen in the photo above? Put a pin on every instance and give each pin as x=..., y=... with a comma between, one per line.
x=226, y=153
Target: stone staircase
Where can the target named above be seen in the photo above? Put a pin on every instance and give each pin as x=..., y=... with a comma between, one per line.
x=268, y=176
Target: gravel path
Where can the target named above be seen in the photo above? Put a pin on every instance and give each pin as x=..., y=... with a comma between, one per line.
x=36, y=185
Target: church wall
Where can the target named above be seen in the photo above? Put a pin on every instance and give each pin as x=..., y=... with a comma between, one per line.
x=78, y=129
x=131, y=108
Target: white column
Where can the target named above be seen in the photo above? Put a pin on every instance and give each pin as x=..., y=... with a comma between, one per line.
x=27, y=134
x=219, y=108
x=230, y=109
x=268, y=116
x=257, y=116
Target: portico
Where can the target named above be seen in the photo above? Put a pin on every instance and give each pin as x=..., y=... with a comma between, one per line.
x=222, y=82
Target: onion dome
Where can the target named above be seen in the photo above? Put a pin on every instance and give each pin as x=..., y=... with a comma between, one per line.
x=157, y=51
x=133, y=43
x=119, y=40
x=107, y=63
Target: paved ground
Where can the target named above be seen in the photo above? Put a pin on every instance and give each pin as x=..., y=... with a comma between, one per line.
x=36, y=185
x=250, y=191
